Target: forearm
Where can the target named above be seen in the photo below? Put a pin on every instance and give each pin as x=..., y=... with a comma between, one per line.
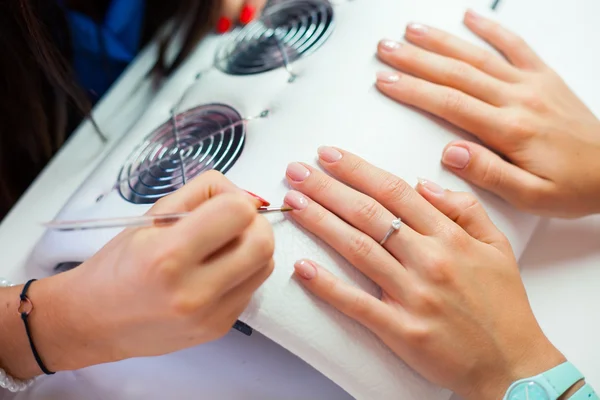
x=57, y=330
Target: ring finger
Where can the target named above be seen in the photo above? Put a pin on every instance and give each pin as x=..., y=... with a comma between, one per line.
x=354, y=207
x=355, y=246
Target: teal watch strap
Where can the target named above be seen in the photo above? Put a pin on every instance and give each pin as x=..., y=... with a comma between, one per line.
x=585, y=393
x=553, y=383
x=562, y=377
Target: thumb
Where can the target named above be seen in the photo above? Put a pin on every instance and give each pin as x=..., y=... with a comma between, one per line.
x=485, y=169
x=464, y=209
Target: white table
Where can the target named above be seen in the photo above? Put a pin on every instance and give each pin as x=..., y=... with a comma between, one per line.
x=561, y=267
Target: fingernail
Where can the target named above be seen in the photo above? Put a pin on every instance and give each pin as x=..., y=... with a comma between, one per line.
x=456, y=157
x=329, y=154
x=305, y=269
x=297, y=172
x=223, y=25
x=417, y=29
x=431, y=186
x=388, y=77
x=472, y=15
x=389, y=45
x=264, y=202
x=296, y=200
x=247, y=14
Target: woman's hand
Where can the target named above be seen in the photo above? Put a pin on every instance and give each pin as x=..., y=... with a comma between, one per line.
x=238, y=11
x=453, y=305
x=152, y=291
x=547, y=140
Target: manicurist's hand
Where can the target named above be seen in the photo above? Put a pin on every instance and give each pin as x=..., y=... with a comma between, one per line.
x=151, y=291
x=542, y=143
x=238, y=11
x=453, y=305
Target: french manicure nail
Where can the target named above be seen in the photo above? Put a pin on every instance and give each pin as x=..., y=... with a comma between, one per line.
x=247, y=14
x=456, y=157
x=329, y=154
x=305, y=269
x=388, y=77
x=297, y=172
x=223, y=25
x=431, y=186
x=264, y=202
x=417, y=29
x=296, y=200
x=389, y=45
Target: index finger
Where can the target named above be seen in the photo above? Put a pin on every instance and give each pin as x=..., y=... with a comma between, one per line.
x=212, y=225
x=194, y=193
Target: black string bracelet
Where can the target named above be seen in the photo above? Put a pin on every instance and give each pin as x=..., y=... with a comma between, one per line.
x=25, y=311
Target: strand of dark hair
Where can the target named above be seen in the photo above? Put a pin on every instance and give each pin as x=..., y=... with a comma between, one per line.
x=40, y=102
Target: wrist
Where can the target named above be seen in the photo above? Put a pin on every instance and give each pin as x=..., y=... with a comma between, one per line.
x=59, y=329
x=536, y=360
x=68, y=337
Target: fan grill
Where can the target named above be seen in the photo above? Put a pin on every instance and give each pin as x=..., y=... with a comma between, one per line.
x=287, y=31
x=210, y=137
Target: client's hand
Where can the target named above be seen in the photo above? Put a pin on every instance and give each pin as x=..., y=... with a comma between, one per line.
x=152, y=291
x=548, y=141
x=453, y=305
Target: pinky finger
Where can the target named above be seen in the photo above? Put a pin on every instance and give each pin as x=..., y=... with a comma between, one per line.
x=350, y=300
x=512, y=46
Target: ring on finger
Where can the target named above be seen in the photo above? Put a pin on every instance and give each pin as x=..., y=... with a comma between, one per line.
x=395, y=226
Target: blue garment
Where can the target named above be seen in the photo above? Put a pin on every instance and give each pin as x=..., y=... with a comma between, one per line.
x=102, y=50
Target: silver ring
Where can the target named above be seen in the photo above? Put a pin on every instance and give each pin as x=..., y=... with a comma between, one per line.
x=396, y=224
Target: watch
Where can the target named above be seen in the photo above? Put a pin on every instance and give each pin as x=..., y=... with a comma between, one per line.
x=550, y=385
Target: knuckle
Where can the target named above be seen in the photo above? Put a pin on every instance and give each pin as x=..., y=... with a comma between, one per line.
x=239, y=206
x=491, y=176
x=168, y=265
x=355, y=165
x=161, y=203
x=359, y=306
x=512, y=40
x=439, y=271
x=322, y=184
x=531, y=99
x=394, y=189
x=330, y=286
x=469, y=203
x=263, y=242
x=483, y=59
x=360, y=246
x=184, y=305
x=213, y=175
x=318, y=216
x=368, y=210
x=453, y=102
x=418, y=335
x=457, y=71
